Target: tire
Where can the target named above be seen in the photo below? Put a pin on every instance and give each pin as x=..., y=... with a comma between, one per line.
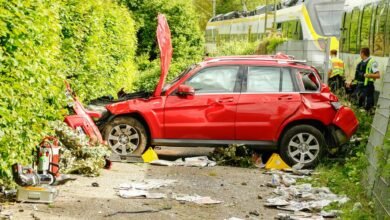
x=126, y=136
x=302, y=144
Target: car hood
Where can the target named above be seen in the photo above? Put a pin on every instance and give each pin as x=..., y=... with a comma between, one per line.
x=165, y=45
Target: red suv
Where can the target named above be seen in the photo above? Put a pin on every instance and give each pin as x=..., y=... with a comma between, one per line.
x=266, y=102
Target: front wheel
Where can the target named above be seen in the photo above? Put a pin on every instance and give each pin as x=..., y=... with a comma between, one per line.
x=302, y=144
x=126, y=136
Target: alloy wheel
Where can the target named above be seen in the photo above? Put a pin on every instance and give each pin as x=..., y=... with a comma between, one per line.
x=123, y=139
x=303, y=148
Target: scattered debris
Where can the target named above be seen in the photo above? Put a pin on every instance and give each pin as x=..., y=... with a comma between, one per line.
x=259, y=197
x=35, y=217
x=201, y=161
x=6, y=215
x=196, y=199
x=255, y=213
x=146, y=184
x=302, y=197
x=10, y=193
x=62, y=179
x=139, y=189
x=244, y=184
x=297, y=169
x=234, y=218
x=330, y=213
x=298, y=198
x=277, y=201
x=138, y=212
x=298, y=216
x=136, y=193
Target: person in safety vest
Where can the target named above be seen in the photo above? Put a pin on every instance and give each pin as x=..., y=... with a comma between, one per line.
x=366, y=73
x=336, y=72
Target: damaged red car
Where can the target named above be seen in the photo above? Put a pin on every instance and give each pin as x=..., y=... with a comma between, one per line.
x=265, y=102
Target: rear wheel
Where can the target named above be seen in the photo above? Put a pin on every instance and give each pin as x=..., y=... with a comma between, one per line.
x=126, y=136
x=302, y=144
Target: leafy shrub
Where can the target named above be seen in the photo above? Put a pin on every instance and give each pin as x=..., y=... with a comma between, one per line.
x=234, y=155
x=98, y=46
x=41, y=43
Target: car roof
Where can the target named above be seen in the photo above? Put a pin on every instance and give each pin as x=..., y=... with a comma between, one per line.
x=266, y=60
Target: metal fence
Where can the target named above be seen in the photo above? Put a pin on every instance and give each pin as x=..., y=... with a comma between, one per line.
x=315, y=52
x=377, y=185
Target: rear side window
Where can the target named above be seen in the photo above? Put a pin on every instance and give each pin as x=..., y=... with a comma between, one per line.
x=307, y=81
x=269, y=79
x=221, y=79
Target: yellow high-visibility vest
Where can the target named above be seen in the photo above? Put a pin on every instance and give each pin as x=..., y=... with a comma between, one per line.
x=337, y=67
x=369, y=71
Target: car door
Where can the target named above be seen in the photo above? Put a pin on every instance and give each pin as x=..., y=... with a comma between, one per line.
x=268, y=98
x=209, y=114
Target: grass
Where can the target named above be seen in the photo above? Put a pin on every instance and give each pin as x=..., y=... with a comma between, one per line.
x=344, y=177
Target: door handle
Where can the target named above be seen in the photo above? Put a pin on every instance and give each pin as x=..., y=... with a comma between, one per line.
x=225, y=100
x=285, y=97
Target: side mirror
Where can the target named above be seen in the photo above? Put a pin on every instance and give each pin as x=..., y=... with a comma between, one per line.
x=185, y=90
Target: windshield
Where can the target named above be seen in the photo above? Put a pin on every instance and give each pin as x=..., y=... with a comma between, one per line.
x=167, y=86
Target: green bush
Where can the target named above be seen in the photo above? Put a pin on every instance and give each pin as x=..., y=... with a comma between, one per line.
x=98, y=46
x=41, y=43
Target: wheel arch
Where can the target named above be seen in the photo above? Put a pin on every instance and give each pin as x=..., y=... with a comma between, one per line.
x=315, y=123
x=137, y=116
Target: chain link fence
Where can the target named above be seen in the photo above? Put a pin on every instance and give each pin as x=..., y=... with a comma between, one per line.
x=377, y=184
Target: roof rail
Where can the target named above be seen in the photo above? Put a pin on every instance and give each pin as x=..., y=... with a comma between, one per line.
x=259, y=59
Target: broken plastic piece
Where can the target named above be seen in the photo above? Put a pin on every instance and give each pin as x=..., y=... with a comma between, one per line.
x=146, y=184
x=196, y=199
x=149, y=155
x=201, y=161
x=276, y=162
x=135, y=193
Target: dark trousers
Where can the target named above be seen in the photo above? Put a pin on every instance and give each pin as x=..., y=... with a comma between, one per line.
x=336, y=83
x=365, y=95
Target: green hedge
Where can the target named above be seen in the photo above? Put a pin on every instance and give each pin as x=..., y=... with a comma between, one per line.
x=41, y=43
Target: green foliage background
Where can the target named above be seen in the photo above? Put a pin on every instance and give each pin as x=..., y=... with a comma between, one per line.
x=187, y=38
x=41, y=43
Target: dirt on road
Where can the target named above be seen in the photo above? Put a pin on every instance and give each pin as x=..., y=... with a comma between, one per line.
x=242, y=191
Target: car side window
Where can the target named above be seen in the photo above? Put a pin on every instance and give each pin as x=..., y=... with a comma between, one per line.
x=307, y=81
x=263, y=79
x=287, y=83
x=221, y=79
x=269, y=79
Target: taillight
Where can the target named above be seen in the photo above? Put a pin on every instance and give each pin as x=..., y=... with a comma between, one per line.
x=336, y=105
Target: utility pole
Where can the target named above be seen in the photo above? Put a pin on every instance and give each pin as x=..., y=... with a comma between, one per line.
x=214, y=7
